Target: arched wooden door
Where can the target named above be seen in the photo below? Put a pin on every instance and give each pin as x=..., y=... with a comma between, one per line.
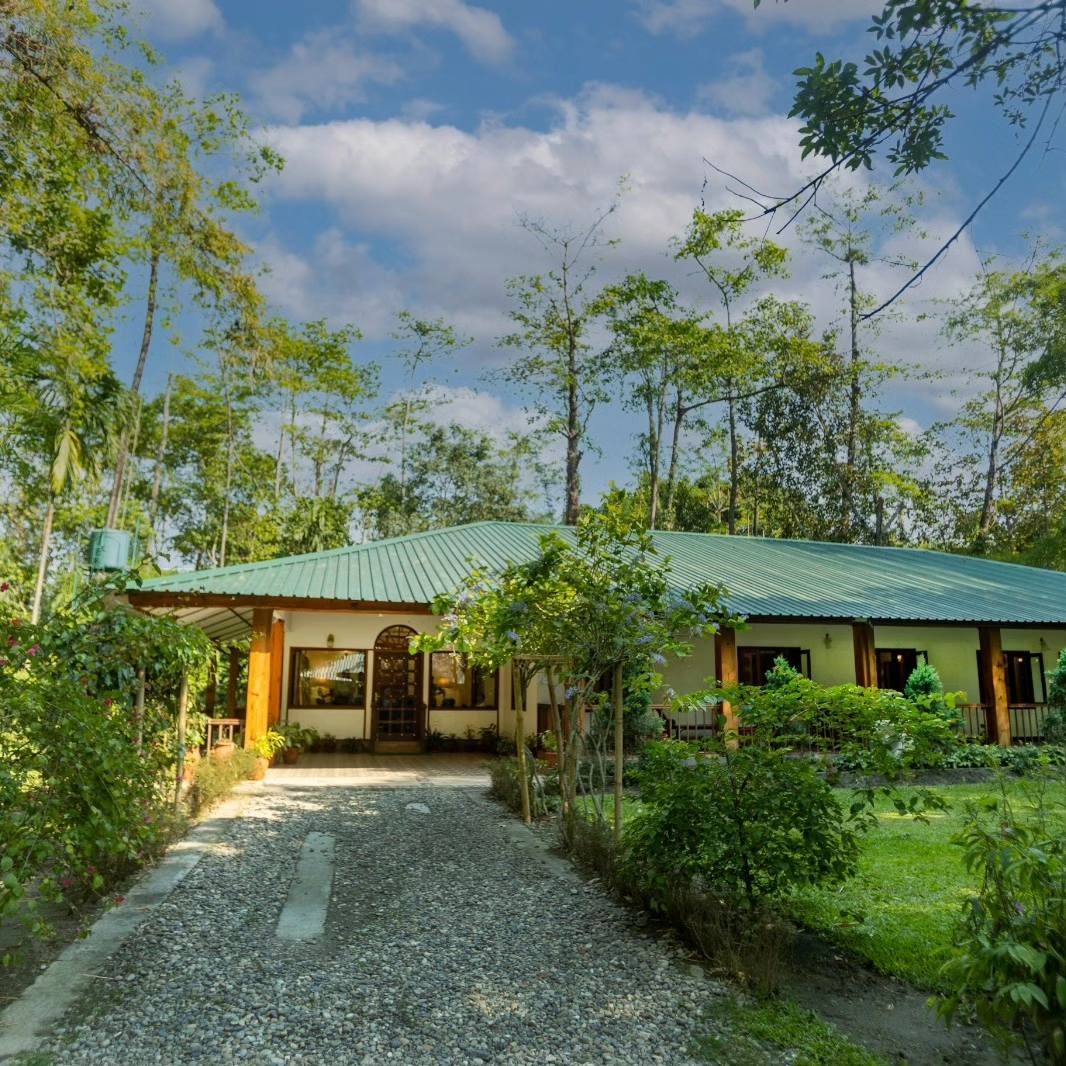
x=398, y=711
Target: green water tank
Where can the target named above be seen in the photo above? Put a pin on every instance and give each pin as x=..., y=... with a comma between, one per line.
x=109, y=550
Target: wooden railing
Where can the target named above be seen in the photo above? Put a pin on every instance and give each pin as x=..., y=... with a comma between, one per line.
x=221, y=729
x=1026, y=722
x=1026, y=719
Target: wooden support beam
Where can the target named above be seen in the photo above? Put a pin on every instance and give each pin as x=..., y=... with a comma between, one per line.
x=994, y=685
x=277, y=660
x=727, y=672
x=862, y=635
x=257, y=709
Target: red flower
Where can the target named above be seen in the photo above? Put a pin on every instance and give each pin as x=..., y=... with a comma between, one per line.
x=120, y=899
x=33, y=649
x=12, y=641
x=4, y=586
x=108, y=701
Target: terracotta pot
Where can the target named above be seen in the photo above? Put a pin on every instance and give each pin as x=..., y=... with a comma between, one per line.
x=259, y=769
x=224, y=749
x=290, y=755
x=550, y=757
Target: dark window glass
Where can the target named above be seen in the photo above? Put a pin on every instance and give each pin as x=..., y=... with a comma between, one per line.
x=329, y=677
x=894, y=666
x=753, y=664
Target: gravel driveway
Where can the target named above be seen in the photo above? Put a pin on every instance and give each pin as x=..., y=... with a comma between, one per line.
x=451, y=937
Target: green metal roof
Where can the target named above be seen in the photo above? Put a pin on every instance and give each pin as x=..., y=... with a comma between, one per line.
x=763, y=578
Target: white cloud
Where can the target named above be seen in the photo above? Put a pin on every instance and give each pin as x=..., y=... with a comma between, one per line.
x=178, y=20
x=481, y=31
x=686, y=18
x=339, y=280
x=321, y=72
x=447, y=203
x=745, y=89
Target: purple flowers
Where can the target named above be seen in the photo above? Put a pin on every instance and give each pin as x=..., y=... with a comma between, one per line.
x=33, y=649
x=570, y=693
x=658, y=659
x=512, y=636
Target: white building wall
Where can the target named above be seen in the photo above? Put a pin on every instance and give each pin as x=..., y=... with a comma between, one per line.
x=357, y=630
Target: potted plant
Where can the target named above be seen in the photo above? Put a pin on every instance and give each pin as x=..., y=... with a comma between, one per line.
x=297, y=738
x=546, y=748
x=266, y=749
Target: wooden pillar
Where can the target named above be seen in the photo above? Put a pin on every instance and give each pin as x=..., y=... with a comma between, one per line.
x=727, y=672
x=994, y=685
x=257, y=709
x=862, y=634
x=231, y=682
x=277, y=660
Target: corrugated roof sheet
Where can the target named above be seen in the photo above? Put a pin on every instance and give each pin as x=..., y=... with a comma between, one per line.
x=763, y=578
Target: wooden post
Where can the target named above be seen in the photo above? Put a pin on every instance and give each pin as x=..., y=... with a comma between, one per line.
x=277, y=659
x=231, y=682
x=183, y=719
x=211, y=692
x=727, y=671
x=257, y=708
x=862, y=634
x=138, y=708
x=994, y=669
x=619, y=751
x=520, y=741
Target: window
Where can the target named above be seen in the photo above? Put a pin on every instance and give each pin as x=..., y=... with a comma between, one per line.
x=328, y=677
x=895, y=666
x=753, y=664
x=1021, y=667
x=456, y=684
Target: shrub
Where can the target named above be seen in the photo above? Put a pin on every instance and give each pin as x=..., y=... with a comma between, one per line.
x=749, y=825
x=1055, y=722
x=1011, y=944
x=544, y=791
x=216, y=778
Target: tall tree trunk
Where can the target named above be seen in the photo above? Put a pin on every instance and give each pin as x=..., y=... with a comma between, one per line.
x=619, y=752
x=854, y=404
x=675, y=455
x=135, y=389
x=734, y=467
x=573, y=450
x=42, y=561
x=160, y=462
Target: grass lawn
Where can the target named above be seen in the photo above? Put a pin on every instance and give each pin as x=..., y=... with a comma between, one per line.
x=909, y=890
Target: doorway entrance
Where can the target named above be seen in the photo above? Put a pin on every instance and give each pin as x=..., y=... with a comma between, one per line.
x=398, y=710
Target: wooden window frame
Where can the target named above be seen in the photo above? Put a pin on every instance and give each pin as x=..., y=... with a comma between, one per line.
x=294, y=681
x=804, y=655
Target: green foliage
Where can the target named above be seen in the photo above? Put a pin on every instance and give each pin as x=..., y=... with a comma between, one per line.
x=272, y=743
x=216, y=779
x=505, y=778
x=753, y=1034
x=1055, y=722
x=749, y=825
x=1011, y=959
x=293, y=735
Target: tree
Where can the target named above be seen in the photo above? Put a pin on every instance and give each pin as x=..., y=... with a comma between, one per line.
x=896, y=105
x=731, y=262
x=454, y=475
x=1011, y=316
x=558, y=364
x=660, y=352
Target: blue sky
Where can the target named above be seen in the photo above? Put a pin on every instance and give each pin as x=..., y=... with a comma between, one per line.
x=418, y=132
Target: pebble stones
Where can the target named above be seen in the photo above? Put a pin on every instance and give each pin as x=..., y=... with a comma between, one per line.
x=443, y=946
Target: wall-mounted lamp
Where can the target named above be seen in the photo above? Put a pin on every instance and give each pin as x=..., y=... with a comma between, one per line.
x=330, y=640
x=827, y=640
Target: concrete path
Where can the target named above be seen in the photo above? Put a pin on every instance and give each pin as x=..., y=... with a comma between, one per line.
x=419, y=924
